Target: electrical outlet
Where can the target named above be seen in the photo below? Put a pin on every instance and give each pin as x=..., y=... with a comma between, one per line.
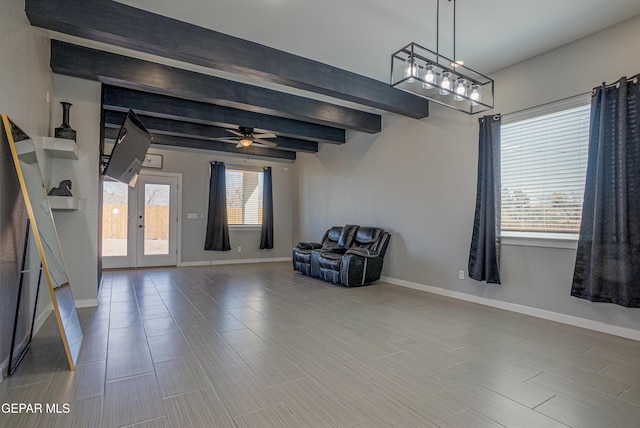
x=239, y=249
x=461, y=274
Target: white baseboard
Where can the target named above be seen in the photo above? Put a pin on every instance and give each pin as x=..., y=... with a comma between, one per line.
x=521, y=309
x=87, y=303
x=233, y=262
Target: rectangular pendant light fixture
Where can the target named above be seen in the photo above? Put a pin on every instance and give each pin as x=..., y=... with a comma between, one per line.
x=429, y=74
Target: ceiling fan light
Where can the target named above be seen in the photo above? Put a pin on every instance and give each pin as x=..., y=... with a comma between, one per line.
x=245, y=141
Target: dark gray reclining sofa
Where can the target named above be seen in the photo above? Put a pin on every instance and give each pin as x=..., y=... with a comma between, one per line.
x=350, y=255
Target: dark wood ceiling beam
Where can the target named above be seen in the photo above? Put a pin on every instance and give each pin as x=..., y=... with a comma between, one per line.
x=164, y=141
x=121, y=99
x=177, y=128
x=80, y=61
x=121, y=25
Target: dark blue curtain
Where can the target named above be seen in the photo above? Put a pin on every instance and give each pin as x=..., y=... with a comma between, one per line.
x=217, y=237
x=607, y=265
x=484, y=256
x=266, y=235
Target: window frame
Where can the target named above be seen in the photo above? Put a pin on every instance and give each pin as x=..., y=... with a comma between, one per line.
x=550, y=239
x=244, y=169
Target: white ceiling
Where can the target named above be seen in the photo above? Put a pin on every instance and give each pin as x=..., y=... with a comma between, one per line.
x=360, y=35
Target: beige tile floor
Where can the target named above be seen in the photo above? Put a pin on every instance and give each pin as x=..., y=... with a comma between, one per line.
x=262, y=346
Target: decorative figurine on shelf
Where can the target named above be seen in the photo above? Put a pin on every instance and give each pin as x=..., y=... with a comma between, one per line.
x=64, y=130
x=63, y=189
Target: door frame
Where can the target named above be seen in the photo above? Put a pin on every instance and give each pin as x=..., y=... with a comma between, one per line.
x=133, y=222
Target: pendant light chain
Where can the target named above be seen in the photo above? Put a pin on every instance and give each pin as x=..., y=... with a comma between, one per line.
x=438, y=27
x=455, y=59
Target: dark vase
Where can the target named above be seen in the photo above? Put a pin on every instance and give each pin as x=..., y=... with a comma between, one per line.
x=65, y=131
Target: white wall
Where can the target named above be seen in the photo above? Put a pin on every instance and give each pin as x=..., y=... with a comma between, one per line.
x=417, y=179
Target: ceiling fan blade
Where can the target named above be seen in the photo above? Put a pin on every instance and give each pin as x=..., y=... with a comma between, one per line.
x=234, y=132
x=265, y=142
x=265, y=135
x=227, y=140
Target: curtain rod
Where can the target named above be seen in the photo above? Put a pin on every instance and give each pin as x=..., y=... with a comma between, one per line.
x=545, y=104
x=633, y=79
x=630, y=79
x=237, y=166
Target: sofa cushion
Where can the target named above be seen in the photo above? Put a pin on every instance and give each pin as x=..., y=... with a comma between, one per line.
x=303, y=256
x=368, y=235
x=331, y=261
x=334, y=233
x=367, y=238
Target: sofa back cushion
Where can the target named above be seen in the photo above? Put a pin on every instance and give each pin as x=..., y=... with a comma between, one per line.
x=332, y=237
x=368, y=237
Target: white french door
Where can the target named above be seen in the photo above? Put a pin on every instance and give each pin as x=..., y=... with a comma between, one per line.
x=140, y=225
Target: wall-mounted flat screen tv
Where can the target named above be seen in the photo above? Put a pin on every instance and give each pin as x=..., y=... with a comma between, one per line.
x=129, y=151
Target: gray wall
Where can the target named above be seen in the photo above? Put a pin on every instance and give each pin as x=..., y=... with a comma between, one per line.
x=78, y=229
x=82, y=225
x=417, y=179
x=194, y=167
x=25, y=80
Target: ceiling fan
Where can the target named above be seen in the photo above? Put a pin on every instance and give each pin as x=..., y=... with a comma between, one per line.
x=246, y=137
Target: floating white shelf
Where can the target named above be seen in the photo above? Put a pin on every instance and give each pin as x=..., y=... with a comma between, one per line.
x=26, y=151
x=63, y=202
x=60, y=148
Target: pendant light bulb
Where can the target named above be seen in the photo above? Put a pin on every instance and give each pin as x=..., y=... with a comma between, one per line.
x=429, y=77
x=445, y=84
x=411, y=69
x=460, y=89
x=475, y=95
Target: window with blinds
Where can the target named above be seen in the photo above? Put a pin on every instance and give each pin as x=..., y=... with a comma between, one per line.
x=544, y=163
x=244, y=197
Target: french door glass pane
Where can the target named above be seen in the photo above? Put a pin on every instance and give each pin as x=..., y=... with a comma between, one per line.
x=156, y=218
x=114, y=218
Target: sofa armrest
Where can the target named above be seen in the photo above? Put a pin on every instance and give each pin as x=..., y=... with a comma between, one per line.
x=308, y=245
x=363, y=252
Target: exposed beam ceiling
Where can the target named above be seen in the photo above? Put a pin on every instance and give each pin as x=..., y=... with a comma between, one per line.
x=79, y=61
x=162, y=106
x=160, y=140
x=175, y=128
x=124, y=26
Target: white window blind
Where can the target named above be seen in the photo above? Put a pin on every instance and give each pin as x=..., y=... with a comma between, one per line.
x=244, y=197
x=544, y=162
